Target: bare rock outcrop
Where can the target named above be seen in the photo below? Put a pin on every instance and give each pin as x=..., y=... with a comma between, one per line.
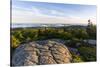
x=41, y=53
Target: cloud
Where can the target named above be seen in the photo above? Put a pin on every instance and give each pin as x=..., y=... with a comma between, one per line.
x=35, y=16
x=57, y=13
x=38, y=15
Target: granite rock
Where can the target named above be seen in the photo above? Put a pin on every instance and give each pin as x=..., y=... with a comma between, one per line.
x=41, y=53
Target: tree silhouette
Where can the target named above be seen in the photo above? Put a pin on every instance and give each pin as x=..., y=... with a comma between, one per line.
x=91, y=29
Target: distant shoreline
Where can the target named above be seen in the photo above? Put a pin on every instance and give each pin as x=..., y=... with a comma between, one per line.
x=34, y=25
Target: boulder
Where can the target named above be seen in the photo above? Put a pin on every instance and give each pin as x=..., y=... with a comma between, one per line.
x=41, y=53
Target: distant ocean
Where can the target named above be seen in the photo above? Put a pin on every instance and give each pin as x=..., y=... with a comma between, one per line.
x=23, y=25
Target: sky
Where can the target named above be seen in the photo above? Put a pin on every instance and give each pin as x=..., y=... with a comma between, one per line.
x=52, y=13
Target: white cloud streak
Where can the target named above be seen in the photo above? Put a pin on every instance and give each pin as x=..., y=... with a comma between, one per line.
x=34, y=15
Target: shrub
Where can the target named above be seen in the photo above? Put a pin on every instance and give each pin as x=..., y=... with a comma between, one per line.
x=14, y=42
x=77, y=58
x=88, y=53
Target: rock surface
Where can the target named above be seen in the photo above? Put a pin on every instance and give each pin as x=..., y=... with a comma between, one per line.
x=41, y=53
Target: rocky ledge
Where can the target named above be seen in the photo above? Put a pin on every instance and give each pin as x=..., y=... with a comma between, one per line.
x=41, y=53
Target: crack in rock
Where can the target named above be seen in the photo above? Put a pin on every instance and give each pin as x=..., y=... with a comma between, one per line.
x=41, y=53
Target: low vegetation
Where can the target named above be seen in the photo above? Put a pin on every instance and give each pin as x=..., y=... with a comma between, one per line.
x=73, y=33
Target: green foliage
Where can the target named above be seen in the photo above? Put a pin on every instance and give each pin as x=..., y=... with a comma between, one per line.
x=88, y=53
x=30, y=34
x=80, y=33
x=15, y=42
x=73, y=42
x=91, y=30
x=74, y=35
x=77, y=58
